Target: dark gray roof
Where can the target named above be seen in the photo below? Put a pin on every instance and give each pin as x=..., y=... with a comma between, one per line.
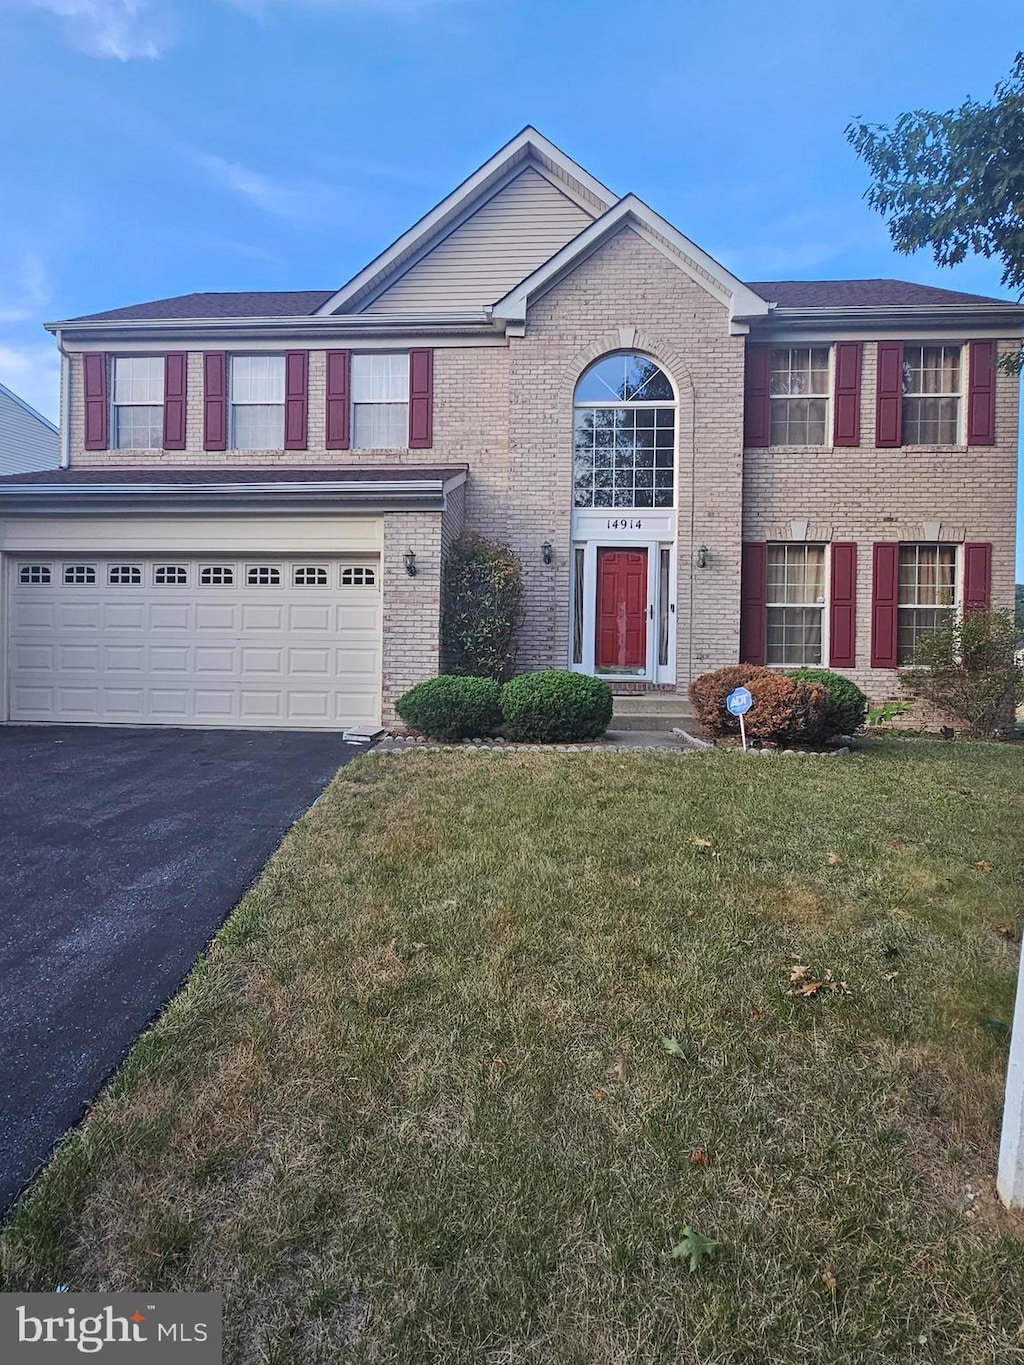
x=305, y=302
x=230, y=474
x=862, y=294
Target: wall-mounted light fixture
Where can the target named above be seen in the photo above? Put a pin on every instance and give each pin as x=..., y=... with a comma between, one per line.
x=409, y=560
x=702, y=557
x=546, y=552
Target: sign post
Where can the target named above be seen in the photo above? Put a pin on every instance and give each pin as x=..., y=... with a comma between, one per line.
x=1010, y=1179
x=738, y=703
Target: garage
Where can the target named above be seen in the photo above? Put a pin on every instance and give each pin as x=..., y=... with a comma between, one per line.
x=217, y=639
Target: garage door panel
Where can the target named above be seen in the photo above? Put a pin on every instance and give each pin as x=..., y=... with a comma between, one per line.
x=279, y=647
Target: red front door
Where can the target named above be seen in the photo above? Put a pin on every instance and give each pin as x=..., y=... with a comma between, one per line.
x=621, y=611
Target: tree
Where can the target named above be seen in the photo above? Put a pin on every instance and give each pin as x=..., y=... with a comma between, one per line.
x=968, y=669
x=954, y=181
x=481, y=608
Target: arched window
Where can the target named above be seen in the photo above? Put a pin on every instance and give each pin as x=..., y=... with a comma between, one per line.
x=624, y=434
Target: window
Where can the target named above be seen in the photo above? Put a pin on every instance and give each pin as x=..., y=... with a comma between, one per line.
x=927, y=594
x=624, y=435
x=263, y=576
x=799, y=395
x=359, y=577
x=931, y=395
x=79, y=573
x=310, y=576
x=170, y=575
x=35, y=573
x=216, y=576
x=257, y=402
x=795, y=601
x=120, y=575
x=380, y=402
x=138, y=402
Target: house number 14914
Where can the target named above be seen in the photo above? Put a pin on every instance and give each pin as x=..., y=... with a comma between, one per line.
x=625, y=524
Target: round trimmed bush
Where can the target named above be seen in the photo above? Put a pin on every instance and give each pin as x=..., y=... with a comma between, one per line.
x=847, y=705
x=784, y=710
x=451, y=708
x=554, y=706
x=709, y=691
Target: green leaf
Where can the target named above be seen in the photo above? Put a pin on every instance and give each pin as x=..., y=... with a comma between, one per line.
x=694, y=1247
x=673, y=1047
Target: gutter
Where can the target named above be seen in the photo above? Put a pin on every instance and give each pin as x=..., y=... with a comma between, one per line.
x=380, y=324
x=65, y=404
x=919, y=315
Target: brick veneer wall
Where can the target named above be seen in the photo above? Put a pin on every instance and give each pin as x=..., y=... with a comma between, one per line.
x=866, y=494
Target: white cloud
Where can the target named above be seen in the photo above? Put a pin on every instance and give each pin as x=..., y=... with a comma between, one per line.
x=295, y=201
x=121, y=30
x=25, y=290
x=32, y=371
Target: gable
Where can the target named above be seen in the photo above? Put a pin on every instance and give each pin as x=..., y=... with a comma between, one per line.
x=506, y=239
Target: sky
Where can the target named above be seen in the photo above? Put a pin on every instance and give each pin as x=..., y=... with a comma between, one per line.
x=156, y=147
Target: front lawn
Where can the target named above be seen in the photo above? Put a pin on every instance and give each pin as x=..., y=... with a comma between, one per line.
x=417, y=1105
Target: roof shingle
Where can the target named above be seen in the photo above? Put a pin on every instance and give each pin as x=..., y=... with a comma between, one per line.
x=862, y=294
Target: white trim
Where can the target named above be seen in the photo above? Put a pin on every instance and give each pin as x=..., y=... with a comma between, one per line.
x=733, y=294
x=591, y=547
x=462, y=202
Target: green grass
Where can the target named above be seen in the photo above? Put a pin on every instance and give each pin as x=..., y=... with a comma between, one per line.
x=415, y=1105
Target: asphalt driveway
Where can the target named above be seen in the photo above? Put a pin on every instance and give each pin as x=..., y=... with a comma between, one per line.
x=121, y=852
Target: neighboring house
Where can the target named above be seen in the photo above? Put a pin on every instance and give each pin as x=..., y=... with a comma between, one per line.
x=261, y=488
x=27, y=439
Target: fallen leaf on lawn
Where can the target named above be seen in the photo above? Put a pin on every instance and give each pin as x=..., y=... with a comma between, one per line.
x=835, y=859
x=598, y=1095
x=699, y=1157
x=809, y=987
x=620, y=1070
x=889, y=976
x=829, y=1280
x=896, y=846
x=694, y=1247
x=1008, y=930
x=983, y=865
x=701, y=844
x=803, y=983
x=673, y=1047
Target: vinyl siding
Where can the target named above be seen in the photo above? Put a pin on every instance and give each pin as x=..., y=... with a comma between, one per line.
x=503, y=242
x=25, y=442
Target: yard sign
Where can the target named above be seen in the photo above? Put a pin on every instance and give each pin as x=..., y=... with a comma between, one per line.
x=738, y=703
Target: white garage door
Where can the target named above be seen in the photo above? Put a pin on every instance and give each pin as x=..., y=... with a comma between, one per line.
x=280, y=641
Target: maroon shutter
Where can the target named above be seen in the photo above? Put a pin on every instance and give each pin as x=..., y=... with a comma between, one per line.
x=296, y=399
x=842, y=630
x=846, y=430
x=752, y=608
x=977, y=576
x=94, y=380
x=175, y=392
x=889, y=395
x=421, y=400
x=981, y=395
x=215, y=400
x=757, y=415
x=885, y=588
x=338, y=370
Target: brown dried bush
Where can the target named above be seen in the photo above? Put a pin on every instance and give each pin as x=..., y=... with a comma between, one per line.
x=786, y=711
x=709, y=691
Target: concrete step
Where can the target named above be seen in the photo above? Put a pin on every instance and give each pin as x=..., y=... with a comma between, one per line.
x=652, y=704
x=663, y=721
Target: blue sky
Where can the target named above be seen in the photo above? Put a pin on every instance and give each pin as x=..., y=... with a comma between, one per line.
x=155, y=147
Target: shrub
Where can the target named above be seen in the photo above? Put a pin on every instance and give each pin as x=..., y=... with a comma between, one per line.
x=967, y=670
x=847, y=704
x=786, y=711
x=556, y=707
x=709, y=691
x=481, y=608
x=451, y=708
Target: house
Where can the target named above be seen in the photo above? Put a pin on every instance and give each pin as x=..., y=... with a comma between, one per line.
x=27, y=439
x=257, y=490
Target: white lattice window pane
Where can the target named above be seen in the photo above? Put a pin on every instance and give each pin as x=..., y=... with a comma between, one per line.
x=380, y=378
x=138, y=428
x=257, y=379
x=793, y=635
x=258, y=427
x=139, y=379
x=380, y=426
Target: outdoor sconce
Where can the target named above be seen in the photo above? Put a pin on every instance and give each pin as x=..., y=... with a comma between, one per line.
x=409, y=560
x=702, y=557
x=546, y=553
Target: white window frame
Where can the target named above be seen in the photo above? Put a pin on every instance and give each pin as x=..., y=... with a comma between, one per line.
x=235, y=385
x=631, y=405
x=826, y=397
x=958, y=395
x=363, y=384
x=154, y=406
x=954, y=608
x=821, y=606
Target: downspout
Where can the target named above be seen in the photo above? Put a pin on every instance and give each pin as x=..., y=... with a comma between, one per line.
x=65, y=404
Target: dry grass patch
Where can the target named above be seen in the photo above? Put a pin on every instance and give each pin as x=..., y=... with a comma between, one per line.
x=492, y=1030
